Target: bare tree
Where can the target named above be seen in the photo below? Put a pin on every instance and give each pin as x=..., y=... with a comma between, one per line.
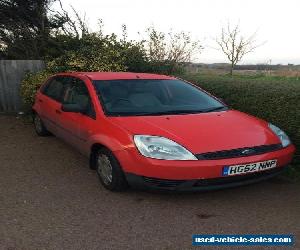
x=171, y=48
x=234, y=45
x=73, y=26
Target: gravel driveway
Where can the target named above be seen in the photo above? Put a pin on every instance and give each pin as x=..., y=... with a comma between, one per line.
x=50, y=199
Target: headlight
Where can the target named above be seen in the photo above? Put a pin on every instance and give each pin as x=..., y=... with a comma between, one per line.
x=285, y=140
x=161, y=148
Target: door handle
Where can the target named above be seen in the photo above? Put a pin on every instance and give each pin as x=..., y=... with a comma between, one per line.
x=58, y=111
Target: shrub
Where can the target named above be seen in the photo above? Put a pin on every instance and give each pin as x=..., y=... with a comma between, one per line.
x=92, y=53
x=30, y=84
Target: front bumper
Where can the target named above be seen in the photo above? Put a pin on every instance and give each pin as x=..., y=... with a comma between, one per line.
x=142, y=182
x=134, y=163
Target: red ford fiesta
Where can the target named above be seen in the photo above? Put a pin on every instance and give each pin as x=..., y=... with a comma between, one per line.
x=156, y=131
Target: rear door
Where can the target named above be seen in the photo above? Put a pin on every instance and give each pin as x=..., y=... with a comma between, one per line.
x=50, y=102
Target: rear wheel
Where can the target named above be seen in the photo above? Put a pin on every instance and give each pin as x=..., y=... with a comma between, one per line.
x=39, y=126
x=109, y=170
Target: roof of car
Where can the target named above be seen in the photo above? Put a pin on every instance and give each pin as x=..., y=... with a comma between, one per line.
x=122, y=75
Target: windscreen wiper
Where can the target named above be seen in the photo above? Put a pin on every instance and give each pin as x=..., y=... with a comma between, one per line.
x=170, y=112
x=188, y=111
x=167, y=112
x=215, y=109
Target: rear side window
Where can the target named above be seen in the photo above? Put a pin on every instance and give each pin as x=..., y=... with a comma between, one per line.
x=54, y=88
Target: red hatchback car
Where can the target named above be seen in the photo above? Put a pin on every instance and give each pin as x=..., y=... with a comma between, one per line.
x=156, y=131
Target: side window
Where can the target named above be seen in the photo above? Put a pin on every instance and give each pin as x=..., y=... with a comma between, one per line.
x=54, y=88
x=76, y=92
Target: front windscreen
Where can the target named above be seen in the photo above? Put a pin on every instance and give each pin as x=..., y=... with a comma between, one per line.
x=153, y=97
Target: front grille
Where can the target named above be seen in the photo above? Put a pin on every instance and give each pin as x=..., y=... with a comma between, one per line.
x=162, y=182
x=239, y=152
x=237, y=178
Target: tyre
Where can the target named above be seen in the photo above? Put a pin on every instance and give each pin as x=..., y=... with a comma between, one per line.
x=109, y=170
x=39, y=126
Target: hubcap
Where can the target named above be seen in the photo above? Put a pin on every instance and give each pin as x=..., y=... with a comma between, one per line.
x=104, y=168
x=38, y=123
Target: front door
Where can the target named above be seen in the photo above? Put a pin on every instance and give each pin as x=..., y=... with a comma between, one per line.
x=75, y=127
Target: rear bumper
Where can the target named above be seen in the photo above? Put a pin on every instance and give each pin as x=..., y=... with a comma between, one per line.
x=142, y=182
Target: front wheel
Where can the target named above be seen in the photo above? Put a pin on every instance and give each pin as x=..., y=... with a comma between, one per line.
x=109, y=171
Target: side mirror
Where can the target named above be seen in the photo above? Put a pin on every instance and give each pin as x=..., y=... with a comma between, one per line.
x=72, y=107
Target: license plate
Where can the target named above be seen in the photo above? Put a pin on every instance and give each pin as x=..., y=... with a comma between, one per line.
x=249, y=167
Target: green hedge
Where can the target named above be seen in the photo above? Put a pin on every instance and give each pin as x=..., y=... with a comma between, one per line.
x=30, y=84
x=273, y=99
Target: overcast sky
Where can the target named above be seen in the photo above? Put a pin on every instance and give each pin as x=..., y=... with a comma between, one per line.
x=277, y=22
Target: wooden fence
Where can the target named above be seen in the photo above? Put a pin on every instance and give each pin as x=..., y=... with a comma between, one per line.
x=11, y=75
